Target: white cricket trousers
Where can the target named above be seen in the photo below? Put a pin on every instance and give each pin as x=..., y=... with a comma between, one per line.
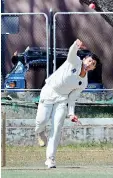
x=57, y=112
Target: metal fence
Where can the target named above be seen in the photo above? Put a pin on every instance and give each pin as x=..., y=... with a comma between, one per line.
x=20, y=30
x=89, y=26
x=64, y=22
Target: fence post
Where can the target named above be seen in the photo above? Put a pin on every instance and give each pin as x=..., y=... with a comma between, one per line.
x=3, y=139
x=51, y=42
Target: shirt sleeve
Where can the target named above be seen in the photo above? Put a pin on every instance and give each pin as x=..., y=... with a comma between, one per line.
x=71, y=100
x=72, y=54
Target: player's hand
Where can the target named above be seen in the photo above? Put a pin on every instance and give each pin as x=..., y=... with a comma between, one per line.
x=74, y=118
x=80, y=44
x=15, y=53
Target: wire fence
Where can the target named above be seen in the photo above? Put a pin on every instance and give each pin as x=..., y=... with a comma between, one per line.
x=19, y=31
x=64, y=22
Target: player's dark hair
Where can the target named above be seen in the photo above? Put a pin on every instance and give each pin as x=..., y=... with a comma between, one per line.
x=86, y=53
x=94, y=57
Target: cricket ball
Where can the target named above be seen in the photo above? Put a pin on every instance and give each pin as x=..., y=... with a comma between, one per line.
x=92, y=6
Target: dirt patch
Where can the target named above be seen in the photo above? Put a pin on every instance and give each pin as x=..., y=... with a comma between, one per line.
x=35, y=156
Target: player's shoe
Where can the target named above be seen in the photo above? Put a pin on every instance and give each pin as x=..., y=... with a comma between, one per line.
x=50, y=163
x=42, y=139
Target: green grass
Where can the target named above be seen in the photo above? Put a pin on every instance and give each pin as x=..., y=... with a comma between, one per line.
x=74, y=155
x=83, y=111
x=60, y=172
x=94, y=111
x=79, y=146
x=89, y=145
x=85, y=160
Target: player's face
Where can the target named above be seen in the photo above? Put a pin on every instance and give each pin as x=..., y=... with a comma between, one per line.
x=89, y=64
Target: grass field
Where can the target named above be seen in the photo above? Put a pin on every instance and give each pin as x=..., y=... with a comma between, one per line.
x=74, y=155
x=83, y=172
x=73, y=161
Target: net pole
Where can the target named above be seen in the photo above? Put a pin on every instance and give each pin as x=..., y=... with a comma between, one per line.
x=3, y=139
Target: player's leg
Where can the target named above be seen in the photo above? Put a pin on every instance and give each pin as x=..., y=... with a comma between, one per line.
x=58, y=116
x=43, y=114
x=42, y=139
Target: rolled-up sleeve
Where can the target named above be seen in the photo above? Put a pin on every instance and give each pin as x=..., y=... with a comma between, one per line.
x=72, y=97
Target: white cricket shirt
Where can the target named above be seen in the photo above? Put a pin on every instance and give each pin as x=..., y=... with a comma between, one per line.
x=66, y=82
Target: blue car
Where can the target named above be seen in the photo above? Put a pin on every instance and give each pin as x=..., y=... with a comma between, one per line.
x=16, y=78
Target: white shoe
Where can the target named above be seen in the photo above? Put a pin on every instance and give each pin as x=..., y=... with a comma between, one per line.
x=50, y=163
x=42, y=140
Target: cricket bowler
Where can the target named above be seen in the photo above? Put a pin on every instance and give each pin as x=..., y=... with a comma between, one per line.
x=58, y=96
